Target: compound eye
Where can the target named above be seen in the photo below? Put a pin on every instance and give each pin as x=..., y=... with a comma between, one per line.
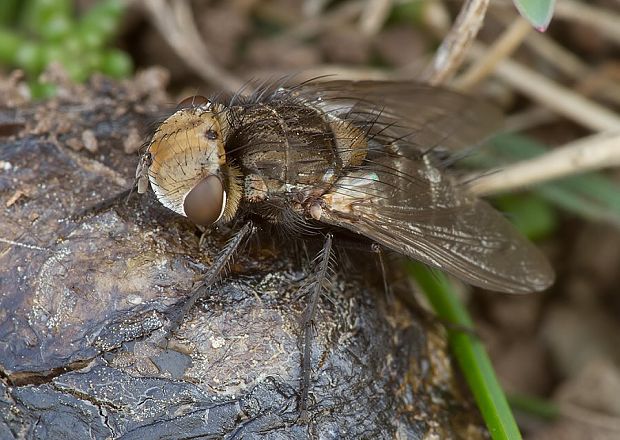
x=192, y=102
x=204, y=204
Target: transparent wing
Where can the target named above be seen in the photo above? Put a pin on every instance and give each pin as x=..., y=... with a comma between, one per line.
x=420, y=117
x=409, y=207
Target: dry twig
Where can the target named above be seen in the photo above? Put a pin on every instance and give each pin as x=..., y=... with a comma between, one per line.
x=565, y=61
x=502, y=48
x=374, y=16
x=529, y=118
x=177, y=27
x=551, y=95
x=604, y=20
x=593, y=152
x=314, y=8
x=453, y=49
x=333, y=71
x=590, y=417
x=561, y=58
x=313, y=26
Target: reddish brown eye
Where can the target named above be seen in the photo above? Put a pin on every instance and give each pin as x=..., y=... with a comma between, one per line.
x=192, y=101
x=204, y=204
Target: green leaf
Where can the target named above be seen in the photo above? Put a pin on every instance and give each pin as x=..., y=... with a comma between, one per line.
x=468, y=351
x=38, y=14
x=29, y=56
x=532, y=215
x=537, y=12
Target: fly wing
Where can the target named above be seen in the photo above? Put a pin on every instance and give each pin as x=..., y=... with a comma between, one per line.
x=400, y=200
x=420, y=117
x=409, y=207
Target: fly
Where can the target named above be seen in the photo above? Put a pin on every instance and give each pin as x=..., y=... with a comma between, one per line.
x=324, y=157
x=344, y=155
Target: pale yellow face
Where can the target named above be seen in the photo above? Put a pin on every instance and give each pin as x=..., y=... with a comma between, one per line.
x=187, y=148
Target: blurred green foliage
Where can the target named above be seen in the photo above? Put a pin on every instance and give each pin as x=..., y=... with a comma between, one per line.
x=407, y=12
x=35, y=33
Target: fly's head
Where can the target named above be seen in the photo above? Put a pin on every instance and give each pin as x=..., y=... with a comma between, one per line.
x=185, y=164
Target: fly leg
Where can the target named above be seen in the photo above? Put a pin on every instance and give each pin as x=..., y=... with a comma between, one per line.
x=220, y=262
x=141, y=184
x=74, y=220
x=102, y=206
x=323, y=260
x=386, y=288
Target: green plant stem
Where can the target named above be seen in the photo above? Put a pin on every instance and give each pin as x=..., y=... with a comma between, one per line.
x=469, y=353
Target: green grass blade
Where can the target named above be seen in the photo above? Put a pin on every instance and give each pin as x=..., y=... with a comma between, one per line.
x=469, y=353
x=534, y=406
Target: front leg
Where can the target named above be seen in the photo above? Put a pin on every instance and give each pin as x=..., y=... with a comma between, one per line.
x=220, y=262
x=103, y=206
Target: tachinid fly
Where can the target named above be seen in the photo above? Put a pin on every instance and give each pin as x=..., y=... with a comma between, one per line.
x=340, y=155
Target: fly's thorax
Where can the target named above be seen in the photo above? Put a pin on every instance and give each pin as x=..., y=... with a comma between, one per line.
x=284, y=143
x=188, y=169
x=351, y=141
